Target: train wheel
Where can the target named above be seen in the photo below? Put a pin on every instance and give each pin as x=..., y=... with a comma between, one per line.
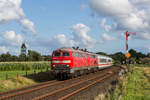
x=75, y=74
x=65, y=75
x=60, y=76
x=78, y=73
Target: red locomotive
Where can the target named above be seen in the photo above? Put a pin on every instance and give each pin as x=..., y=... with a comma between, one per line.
x=72, y=62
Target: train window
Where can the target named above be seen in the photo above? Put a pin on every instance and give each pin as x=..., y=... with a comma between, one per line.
x=79, y=54
x=103, y=60
x=56, y=54
x=109, y=60
x=92, y=56
x=65, y=54
x=84, y=54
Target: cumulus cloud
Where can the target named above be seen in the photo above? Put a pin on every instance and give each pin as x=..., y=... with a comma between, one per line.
x=13, y=39
x=28, y=24
x=3, y=49
x=106, y=37
x=10, y=10
x=103, y=25
x=80, y=35
x=131, y=15
x=63, y=40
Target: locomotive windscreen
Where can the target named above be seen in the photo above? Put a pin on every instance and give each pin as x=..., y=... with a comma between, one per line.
x=65, y=54
x=57, y=54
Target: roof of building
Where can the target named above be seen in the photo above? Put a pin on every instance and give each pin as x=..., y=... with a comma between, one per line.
x=23, y=45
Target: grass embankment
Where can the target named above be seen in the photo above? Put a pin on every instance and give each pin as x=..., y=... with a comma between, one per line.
x=14, y=83
x=133, y=86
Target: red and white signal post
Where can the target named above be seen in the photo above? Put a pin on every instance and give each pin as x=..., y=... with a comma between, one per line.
x=127, y=53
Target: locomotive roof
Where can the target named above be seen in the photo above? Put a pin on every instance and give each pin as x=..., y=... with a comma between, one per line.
x=78, y=50
x=74, y=50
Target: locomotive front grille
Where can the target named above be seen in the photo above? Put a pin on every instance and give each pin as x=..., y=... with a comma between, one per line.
x=61, y=68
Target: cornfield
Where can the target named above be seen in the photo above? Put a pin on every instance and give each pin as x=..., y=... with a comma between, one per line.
x=23, y=66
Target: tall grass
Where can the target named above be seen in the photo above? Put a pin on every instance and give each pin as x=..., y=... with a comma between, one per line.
x=133, y=86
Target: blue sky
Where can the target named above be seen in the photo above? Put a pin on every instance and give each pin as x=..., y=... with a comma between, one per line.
x=45, y=25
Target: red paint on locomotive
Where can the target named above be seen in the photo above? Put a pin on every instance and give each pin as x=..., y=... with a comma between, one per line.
x=69, y=60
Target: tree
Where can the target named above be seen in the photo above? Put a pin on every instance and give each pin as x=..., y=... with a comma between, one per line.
x=136, y=55
x=101, y=53
x=22, y=57
x=133, y=52
x=46, y=57
x=14, y=58
x=148, y=55
x=118, y=57
x=33, y=56
x=145, y=60
x=5, y=57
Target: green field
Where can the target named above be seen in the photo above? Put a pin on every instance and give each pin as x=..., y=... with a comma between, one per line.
x=11, y=69
x=13, y=74
x=134, y=85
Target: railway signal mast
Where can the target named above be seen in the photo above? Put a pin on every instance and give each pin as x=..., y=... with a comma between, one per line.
x=127, y=53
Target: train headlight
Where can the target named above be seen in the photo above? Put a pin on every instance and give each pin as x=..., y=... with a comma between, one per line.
x=67, y=65
x=66, y=61
x=55, y=61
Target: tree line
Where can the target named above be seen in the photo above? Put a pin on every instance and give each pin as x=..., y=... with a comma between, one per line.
x=118, y=57
x=31, y=56
x=136, y=57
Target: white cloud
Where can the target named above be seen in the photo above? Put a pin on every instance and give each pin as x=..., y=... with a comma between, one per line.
x=106, y=37
x=13, y=39
x=131, y=15
x=110, y=8
x=10, y=10
x=28, y=24
x=103, y=25
x=62, y=40
x=3, y=49
x=80, y=35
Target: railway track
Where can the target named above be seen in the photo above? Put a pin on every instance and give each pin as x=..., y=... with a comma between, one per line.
x=58, y=89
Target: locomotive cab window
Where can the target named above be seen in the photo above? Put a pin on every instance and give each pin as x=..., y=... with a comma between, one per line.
x=65, y=54
x=57, y=54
